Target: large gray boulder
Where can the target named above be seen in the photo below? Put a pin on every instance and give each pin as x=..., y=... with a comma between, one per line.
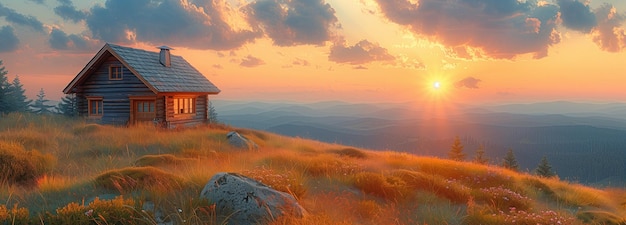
x=242, y=200
x=237, y=140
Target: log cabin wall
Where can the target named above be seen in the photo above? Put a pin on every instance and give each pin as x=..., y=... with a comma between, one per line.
x=114, y=93
x=199, y=117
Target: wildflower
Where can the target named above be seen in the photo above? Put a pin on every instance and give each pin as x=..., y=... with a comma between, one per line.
x=89, y=213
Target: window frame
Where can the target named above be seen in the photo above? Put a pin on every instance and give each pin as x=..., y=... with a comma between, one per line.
x=99, y=103
x=113, y=70
x=188, y=107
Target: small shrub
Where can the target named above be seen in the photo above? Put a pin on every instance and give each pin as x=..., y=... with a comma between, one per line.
x=15, y=215
x=71, y=213
x=139, y=178
x=22, y=167
x=115, y=211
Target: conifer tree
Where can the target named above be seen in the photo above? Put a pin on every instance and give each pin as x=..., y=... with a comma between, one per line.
x=480, y=157
x=509, y=161
x=40, y=106
x=4, y=90
x=68, y=106
x=456, y=152
x=544, y=169
x=17, y=99
x=212, y=113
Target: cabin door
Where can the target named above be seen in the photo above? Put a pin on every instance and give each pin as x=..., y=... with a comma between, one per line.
x=144, y=111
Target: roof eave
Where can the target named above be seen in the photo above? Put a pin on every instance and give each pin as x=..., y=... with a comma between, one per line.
x=190, y=92
x=132, y=70
x=81, y=75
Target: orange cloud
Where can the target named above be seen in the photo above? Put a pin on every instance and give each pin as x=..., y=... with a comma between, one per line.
x=497, y=29
x=361, y=53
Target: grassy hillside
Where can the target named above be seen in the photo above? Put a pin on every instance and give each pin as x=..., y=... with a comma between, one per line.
x=70, y=170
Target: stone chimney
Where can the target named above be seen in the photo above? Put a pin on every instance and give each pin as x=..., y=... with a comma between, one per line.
x=164, y=56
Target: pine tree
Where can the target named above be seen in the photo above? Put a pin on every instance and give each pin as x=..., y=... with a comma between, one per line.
x=212, y=113
x=480, y=157
x=509, y=161
x=40, y=106
x=544, y=169
x=68, y=106
x=456, y=152
x=17, y=100
x=4, y=90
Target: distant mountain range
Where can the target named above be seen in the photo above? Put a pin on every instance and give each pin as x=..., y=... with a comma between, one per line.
x=584, y=142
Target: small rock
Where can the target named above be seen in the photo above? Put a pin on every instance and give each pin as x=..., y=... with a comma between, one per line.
x=243, y=200
x=237, y=140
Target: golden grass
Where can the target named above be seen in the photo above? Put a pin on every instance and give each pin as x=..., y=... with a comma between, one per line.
x=129, y=179
x=52, y=183
x=335, y=184
x=163, y=160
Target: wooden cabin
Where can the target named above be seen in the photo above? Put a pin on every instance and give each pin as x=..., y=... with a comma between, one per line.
x=123, y=85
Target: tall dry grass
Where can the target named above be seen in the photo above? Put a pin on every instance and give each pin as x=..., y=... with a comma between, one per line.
x=336, y=184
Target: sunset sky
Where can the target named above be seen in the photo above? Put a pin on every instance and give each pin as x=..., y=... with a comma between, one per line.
x=480, y=51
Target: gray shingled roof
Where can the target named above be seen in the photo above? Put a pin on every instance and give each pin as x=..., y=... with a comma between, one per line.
x=180, y=77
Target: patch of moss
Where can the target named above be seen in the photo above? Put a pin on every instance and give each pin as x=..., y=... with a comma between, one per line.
x=130, y=179
x=22, y=167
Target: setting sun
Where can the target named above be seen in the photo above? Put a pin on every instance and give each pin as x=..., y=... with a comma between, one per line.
x=436, y=85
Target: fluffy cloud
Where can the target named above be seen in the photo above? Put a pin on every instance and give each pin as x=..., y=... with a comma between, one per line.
x=37, y=1
x=576, y=15
x=609, y=34
x=468, y=82
x=67, y=11
x=361, y=53
x=294, y=22
x=58, y=39
x=251, y=61
x=479, y=28
x=9, y=41
x=178, y=23
x=19, y=19
x=61, y=41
